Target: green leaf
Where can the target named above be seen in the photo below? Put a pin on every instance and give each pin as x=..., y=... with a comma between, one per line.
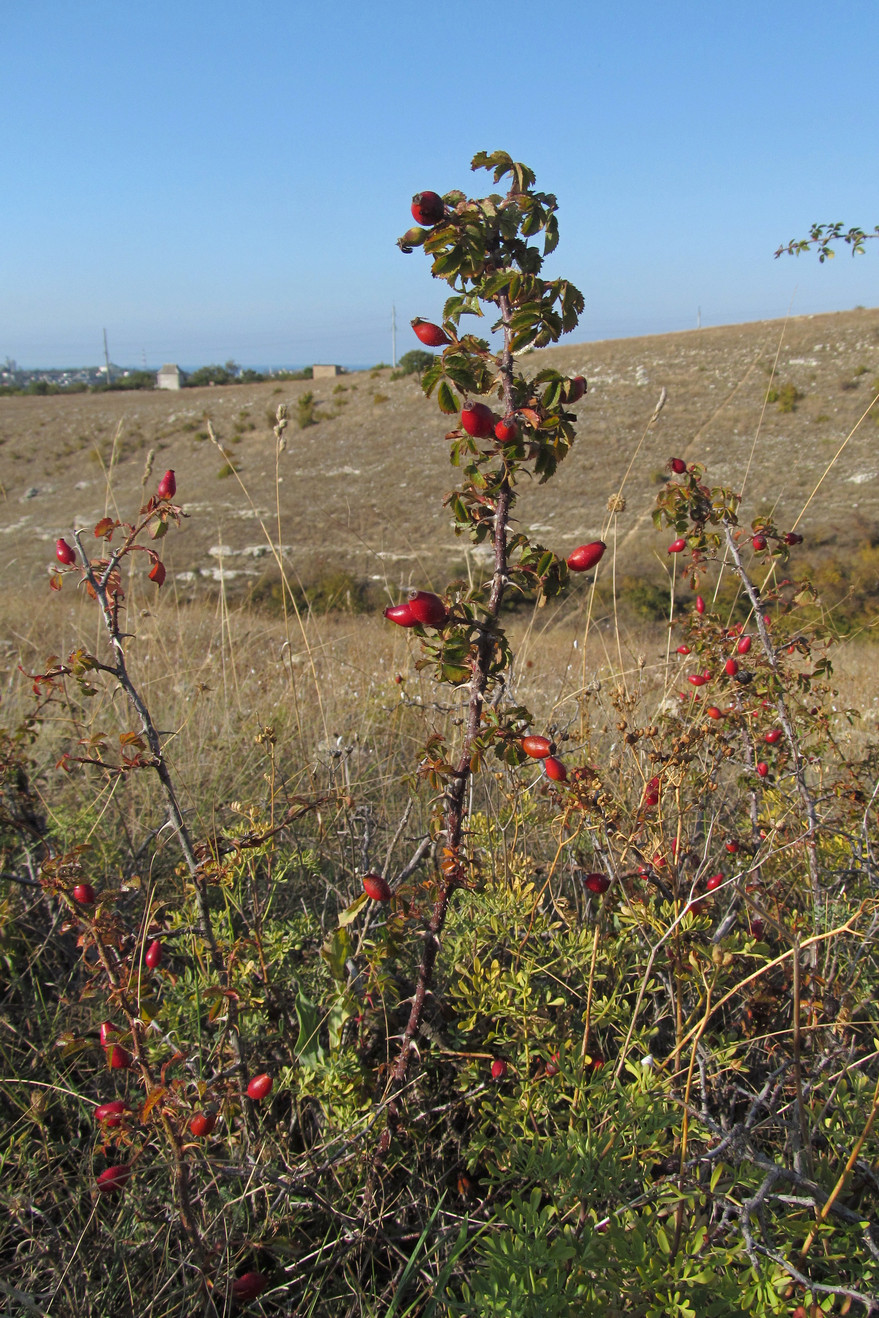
x=446, y=399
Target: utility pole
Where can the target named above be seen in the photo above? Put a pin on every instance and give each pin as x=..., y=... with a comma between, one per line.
x=699, y=318
x=394, y=336
x=106, y=357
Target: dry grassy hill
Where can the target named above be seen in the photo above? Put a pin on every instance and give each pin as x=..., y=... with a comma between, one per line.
x=361, y=488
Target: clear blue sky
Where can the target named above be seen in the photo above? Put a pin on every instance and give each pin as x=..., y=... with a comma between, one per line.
x=214, y=180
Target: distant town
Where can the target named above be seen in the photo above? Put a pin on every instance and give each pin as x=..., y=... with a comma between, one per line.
x=19, y=380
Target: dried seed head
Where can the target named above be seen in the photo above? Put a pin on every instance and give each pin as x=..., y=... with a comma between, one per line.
x=616, y=504
x=148, y=468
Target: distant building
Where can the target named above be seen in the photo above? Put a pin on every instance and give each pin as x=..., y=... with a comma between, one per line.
x=324, y=372
x=169, y=377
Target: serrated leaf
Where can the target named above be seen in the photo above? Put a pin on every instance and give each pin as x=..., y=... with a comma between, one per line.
x=152, y=1099
x=446, y=400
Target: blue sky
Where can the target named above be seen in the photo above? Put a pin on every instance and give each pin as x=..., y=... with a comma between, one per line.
x=214, y=180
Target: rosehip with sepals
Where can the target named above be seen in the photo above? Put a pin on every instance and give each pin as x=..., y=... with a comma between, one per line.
x=498, y=1069
x=773, y=736
x=758, y=541
x=714, y=882
x=202, y=1124
x=597, y=883
x=428, y=208
x=153, y=954
x=260, y=1086
x=111, y=1114
x=743, y=644
x=478, y=420
x=167, y=486
x=677, y=545
x=114, y=1179
x=537, y=747
x=249, y=1286
x=678, y=466
x=586, y=556
x=554, y=769
x=376, y=887
x=576, y=389
x=401, y=614
x=426, y=608
x=792, y=538
x=506, y=430
x=64, y=552
x=85, y=894
x=412, y=238
x=732, y=846
x=432, y=336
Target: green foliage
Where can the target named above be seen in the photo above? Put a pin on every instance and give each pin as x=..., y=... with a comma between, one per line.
x=306, y=414
x=415, y=362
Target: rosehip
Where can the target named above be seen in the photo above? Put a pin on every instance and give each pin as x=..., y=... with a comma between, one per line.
x=376, y=887
x=677, y=545
x=773, y=736
x=651, y=798
x=759, y=541
x=110, y=1114
x=743, y=644
x=64, y=552
x=118, y=1058
x=114, y=1178
x=762, y=768
x=697, y=679
x=433, y=336
x=598, y=883
x=537, y=747
x=792, y=538
x=260, y=1086
x=732, y=847
x=554, y=769
x=714, y=882
x=757, y=927
x=586, y=556
x=552, y=1066
x=167, y=486
x=249, y=1286
x=108, y=1029
x=678, y=466
x=498, y=1069
x=412, y=238
x=700, y=604
x=683, y=649
x=695, y=908
x=153, y=954
x=427, y=609
x=576, y=389
x=202, y=1124
x=713, y=712
x=731, y=667
x=427, y=208
x=401, y=614
x=478, y=420
x=85, y=894
x=506, y=431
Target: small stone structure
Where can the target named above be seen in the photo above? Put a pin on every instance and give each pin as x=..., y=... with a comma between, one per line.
x=324, y=372
x=169, y=377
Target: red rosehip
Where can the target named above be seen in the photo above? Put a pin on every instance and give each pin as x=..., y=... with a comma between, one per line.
x=677, y=545
x=157, y=573
x=167, y=486
x=743, y=644
x=678, y=466
x=153, y=954
x=498, y=1069
x=732, y=846
x=757, y=927
x=108, y=1029
x=731, y=667
x=478, y=420
x=552, y=1066
x=506, y=430
x=433, y=336
x=713, y=712
x=427, y=609
x=773, y=736
x=554, y=769
x=683, y=649
x=118, y=1058
x=260, y=1086
x=651, y=798
x=203, y=1124
x=427, y=208
x=659, y=860
x=714, y=882
x=376, y=887
x=695, y=908
x=576, y=389
x=762, y=768
x=792, y=538
x=697, y=679
x=249, y=1286
x=113, y=1179
x=537, y=747
x=700, y=604
x=401, y=614
x=758, y=541
x=110, y=1114
x=85, y=894
x=597, y=883
x=586, y=556
x=64, y=552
